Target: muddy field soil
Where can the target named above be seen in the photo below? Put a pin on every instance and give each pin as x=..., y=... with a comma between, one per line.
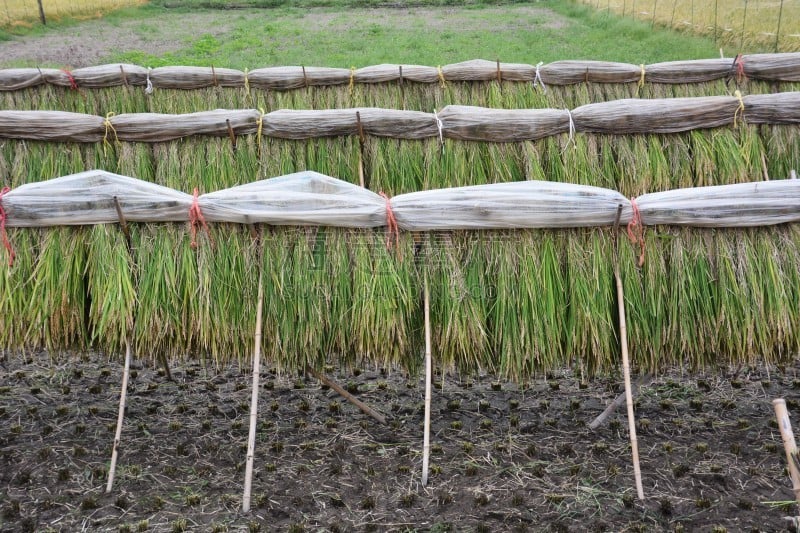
x=504, y=457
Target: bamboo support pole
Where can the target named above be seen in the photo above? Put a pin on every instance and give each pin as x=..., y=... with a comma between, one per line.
x=789, y=444
x=364, y=408
x=426, y=439
x=251, y=438
x=626, y=369
x=126, y=372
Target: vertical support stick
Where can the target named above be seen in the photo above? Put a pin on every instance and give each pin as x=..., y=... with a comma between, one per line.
x=626, y=370
x=655, y=7
x=744, y=20
x=426, y=439
x=251, y=439
x=716, y=9
x=41, y=14
x=788, y=443
x=626, y=367
x=126, y=372
x=360, y=127
x=402, y=90
x=778, y=30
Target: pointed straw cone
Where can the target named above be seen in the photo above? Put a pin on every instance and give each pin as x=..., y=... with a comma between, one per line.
x=122, y=396
x=626, y=368
x=426, y=439
x=251, y=439
x=788, y=443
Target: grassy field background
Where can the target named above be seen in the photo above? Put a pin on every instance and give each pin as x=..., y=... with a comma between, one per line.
x=741, y=25
x=154, y=36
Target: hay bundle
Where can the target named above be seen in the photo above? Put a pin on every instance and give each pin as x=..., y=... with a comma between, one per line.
x=620, y=117
x=772, y=67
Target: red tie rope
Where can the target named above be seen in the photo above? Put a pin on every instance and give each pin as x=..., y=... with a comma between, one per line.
x=739, y=64
x=197, y=220
x=3, y=217
x=72, y=83
x=391, y=223
x=636, y=230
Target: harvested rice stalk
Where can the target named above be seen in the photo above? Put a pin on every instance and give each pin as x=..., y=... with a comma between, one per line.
x=333, y=156
x=136, y=160
x=55, y=312
x=189, y=101
x=786, y=243
x=395, y=167
x=641, y=164
x=735, y=312
x=459, y=298
x=772, y=292
x=591, y=331
x=384, y=317
x=533, y=160
x=646, y=295
x=111, y=288
x=693, y=297
x=782, y=146
x=228, y=275
x=339, y=267
x=572, y=96
x=305, y=310
x=529, y=311
x=15, y=288
x=167, y=291
x=276, y=263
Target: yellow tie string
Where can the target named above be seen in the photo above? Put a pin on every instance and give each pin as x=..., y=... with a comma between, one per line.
x=739, y=113
x=442, y=81
x=109, y=126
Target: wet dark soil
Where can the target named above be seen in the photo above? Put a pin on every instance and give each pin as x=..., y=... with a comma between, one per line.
x=504, y=457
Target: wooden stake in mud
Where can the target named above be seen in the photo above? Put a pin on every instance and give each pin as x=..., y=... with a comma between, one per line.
x=619, y=400
x=366, y=409
x=626, y=368
x=251, y=439
x=426, y=438
x=788, y=444
x=126, y=372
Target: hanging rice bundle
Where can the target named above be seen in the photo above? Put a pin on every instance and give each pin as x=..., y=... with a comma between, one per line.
x=590, y=292
x=15, y=288
x=111, y=285
x=529, y=309
x=646, y=298
x=385, y=322
x=55, y=311
x=693, y=296
x=460, y=294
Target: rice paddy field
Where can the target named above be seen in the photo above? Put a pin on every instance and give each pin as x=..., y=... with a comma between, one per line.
x=736, y=23
x=525, y=336
x=26, y=12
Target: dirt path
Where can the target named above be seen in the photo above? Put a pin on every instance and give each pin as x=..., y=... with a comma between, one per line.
x=93, y=41
x=503, y=458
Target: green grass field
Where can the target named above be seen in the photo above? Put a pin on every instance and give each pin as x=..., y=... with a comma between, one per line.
x=336, y=37
x=543, y=31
